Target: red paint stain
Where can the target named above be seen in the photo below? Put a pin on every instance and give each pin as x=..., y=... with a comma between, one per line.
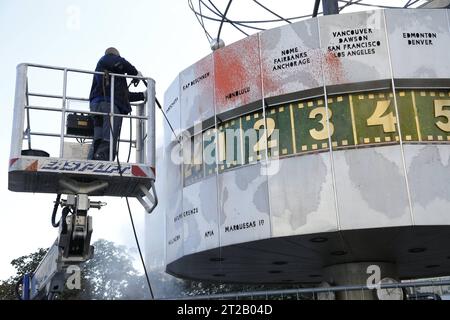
x=271, y=81
x=317, y=61
x=333, y=69
x=235, y=68
x=205, y=86
x=12, y=161
x=137, y=171
x=33, y=166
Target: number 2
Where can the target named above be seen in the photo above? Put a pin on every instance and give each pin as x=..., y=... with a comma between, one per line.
x=262, y=142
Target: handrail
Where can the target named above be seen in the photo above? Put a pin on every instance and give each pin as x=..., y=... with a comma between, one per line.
x=140, y=170
x=412, y=284
x=83, y=71
x=28, y=118
x=63, y=115
x=54, y=96
x=86, y=112
x=74, y=136
x=42, y=95
x=111, y=121
x=145, y=152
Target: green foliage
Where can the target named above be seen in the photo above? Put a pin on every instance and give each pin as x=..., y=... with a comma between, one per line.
x=206, y=288
x=28, y=263
x=24, y=264
x=7, y=290
x=108, y=275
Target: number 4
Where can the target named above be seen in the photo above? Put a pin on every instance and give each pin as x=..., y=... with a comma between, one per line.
x=388, y=121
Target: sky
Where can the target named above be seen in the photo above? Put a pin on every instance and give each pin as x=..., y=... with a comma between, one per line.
x=159, y=37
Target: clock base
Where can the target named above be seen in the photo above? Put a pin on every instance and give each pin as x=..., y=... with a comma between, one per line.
x=368, y=274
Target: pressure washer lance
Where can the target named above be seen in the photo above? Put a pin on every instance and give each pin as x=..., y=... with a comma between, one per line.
x=135, y=82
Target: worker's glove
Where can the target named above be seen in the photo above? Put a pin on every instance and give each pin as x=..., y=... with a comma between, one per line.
x=136, y=81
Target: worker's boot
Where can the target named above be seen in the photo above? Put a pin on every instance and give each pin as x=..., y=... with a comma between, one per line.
x=102, y=151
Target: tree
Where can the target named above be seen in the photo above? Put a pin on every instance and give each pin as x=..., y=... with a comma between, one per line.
x=24, y=264
x=7, y=290
x=108, y=275
x=207, y=288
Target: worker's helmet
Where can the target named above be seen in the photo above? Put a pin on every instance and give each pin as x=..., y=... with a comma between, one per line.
x=112, y=50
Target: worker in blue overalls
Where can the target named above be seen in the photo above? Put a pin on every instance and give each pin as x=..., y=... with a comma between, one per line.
x=100, y=101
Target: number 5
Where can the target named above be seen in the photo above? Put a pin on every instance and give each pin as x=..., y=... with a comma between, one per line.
x=439, y=111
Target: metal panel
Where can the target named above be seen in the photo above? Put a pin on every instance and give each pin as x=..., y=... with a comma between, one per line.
x=280, y=131
x=209, y=152
x=237, y=74
x=374, y=117
x=301, y=196
x=371, y=188
x=174, y=226
x=253, y=140
x=172, y=107
x=20, y=100
x=370, y=182
x=432, y=114
x=408, y=117
x=244, y=207
x=419, y=42
x=428, y=169
x=200, y=218
x=356, y=47
x=193, y=167
x=291, y=58
x=428, y=165
x=173, y=186
x=229, y=144
x=310, y=125
x=340, y=121
x=197, y=93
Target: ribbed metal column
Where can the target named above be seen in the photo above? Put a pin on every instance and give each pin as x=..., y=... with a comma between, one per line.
x=330, y=7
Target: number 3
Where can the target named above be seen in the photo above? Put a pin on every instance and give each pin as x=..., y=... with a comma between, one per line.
x=323, y=133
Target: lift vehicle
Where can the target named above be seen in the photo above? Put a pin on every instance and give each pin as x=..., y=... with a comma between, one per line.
x=69, y=173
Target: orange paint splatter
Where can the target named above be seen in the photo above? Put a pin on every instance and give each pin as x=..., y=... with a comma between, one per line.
x=236, y=67
x=272, y=83
x=33, y=166
x=333, y=68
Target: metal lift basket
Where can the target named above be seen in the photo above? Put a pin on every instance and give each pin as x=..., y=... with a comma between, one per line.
x=35, y=171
